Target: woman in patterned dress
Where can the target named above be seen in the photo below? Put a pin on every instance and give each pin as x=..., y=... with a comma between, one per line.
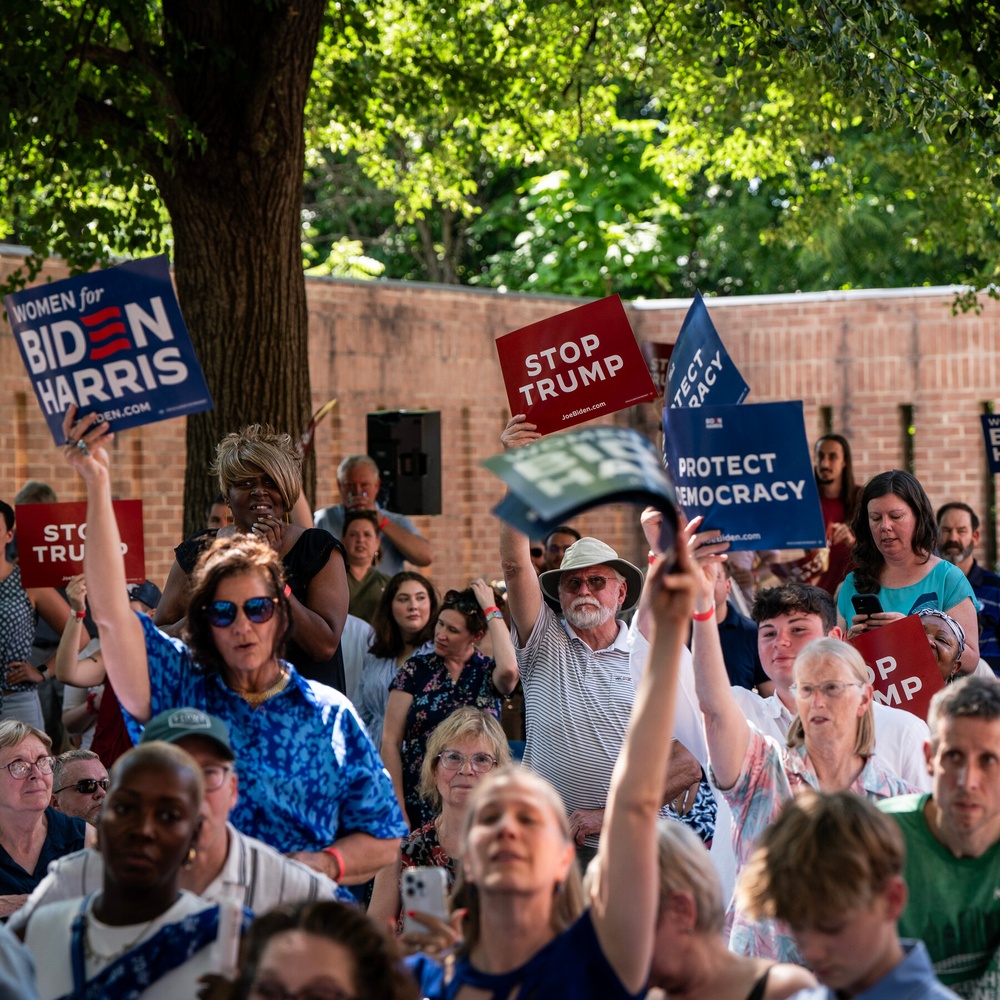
x=429, y=688
x=467, y=746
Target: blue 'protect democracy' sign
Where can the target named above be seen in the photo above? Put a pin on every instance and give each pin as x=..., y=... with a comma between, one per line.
x=748, y=471
x=111, y=341
x=991, y=431
x=701, y=372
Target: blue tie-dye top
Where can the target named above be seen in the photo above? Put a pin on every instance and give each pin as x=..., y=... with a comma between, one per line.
x=308, y=771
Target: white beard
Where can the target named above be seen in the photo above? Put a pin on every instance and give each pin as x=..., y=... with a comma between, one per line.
x=587, y=617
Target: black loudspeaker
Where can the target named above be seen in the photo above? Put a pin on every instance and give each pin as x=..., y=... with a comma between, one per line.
x=406, y=446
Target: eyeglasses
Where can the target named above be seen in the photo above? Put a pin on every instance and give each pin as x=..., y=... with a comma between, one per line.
x=595, y=584
x=222, y=614
x=85, y=786
x=22, y=768
x=215, y=776
x=452, y=760
x=268, y=989
x=537, y=552
x=830, y=690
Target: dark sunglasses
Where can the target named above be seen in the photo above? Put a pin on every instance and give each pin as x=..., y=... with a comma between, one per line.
x=85, y=786
x=456, y=599
x=537, y=552
x=222, y=614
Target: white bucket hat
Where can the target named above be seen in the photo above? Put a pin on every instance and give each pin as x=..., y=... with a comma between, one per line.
x=593, y=552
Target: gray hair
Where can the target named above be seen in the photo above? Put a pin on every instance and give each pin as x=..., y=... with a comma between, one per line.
x=67, y=758
x=972, y=697
x=351, y=461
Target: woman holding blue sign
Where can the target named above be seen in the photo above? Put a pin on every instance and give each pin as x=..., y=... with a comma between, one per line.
x=310, y=781
x=896, y=535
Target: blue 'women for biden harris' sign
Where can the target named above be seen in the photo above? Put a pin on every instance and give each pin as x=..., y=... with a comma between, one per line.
x=111, y=341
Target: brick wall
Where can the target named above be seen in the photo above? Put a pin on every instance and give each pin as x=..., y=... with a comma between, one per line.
x=394, y=346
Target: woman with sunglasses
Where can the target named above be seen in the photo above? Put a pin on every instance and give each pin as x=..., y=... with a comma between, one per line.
x=260, y=476
x=428, y=688
x=466, y=747
x=312, y=784
x=32, y=833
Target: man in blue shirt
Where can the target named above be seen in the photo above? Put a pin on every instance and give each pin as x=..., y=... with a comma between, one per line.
x=958, y=536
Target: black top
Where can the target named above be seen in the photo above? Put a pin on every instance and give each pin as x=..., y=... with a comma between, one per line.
x=64, y=836
x=302, y=562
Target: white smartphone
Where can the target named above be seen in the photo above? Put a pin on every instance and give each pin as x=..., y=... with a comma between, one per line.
x=424, y=890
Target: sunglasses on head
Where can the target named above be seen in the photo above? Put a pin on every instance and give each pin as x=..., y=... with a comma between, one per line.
x=456, y=599
x=85, y=786
x=222, y=614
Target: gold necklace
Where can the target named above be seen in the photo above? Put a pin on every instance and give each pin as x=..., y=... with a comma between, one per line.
x=257, y=698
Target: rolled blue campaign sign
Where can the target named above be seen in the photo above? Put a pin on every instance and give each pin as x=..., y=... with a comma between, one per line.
x=562, y=475
x=747, y=469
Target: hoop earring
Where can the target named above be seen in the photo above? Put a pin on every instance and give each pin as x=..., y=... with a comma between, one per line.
x=189, y=859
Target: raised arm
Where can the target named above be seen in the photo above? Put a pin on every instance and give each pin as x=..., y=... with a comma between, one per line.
x=122, y=643
x=412, y=547
x=726, y=729
x=625, y=893
x=524, y=596
x=505, y=671
x=69, y=668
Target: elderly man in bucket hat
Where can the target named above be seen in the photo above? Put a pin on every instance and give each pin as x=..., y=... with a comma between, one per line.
x=577, y=686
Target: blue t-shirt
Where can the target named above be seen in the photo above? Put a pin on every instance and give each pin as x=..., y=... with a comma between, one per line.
x=65, y=835
x=572, y=967
x=941, y=589
x=913, y=978
x=308, y=771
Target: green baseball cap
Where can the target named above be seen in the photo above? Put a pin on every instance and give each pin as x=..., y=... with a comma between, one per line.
x=177, y=723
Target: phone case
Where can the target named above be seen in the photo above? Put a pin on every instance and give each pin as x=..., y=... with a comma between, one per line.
x=424, y=889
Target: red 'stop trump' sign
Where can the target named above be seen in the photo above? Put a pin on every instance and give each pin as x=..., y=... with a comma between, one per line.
x=575, y=366
x=50, y=541
x=901, y=666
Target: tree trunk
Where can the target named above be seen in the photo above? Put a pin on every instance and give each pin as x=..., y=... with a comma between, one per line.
x=242, y=77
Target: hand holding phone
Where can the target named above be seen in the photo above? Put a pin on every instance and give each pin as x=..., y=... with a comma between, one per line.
x=866, y=604
x=424, y=889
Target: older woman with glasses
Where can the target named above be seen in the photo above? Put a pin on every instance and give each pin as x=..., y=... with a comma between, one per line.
x=313, y=785
x=467, y=746
x=428, y=688
x=830, y=744
x=32, y=833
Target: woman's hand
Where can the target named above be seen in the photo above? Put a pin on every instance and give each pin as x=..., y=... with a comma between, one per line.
x=862, y=623
x=271, y=530
x=76, y=591
x=518, y=433
x=20, y=672
x=440, y=940
x=85, y=440
x=484, y=594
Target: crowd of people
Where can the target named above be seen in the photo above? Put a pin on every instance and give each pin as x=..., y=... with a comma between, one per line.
x=681, y=779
